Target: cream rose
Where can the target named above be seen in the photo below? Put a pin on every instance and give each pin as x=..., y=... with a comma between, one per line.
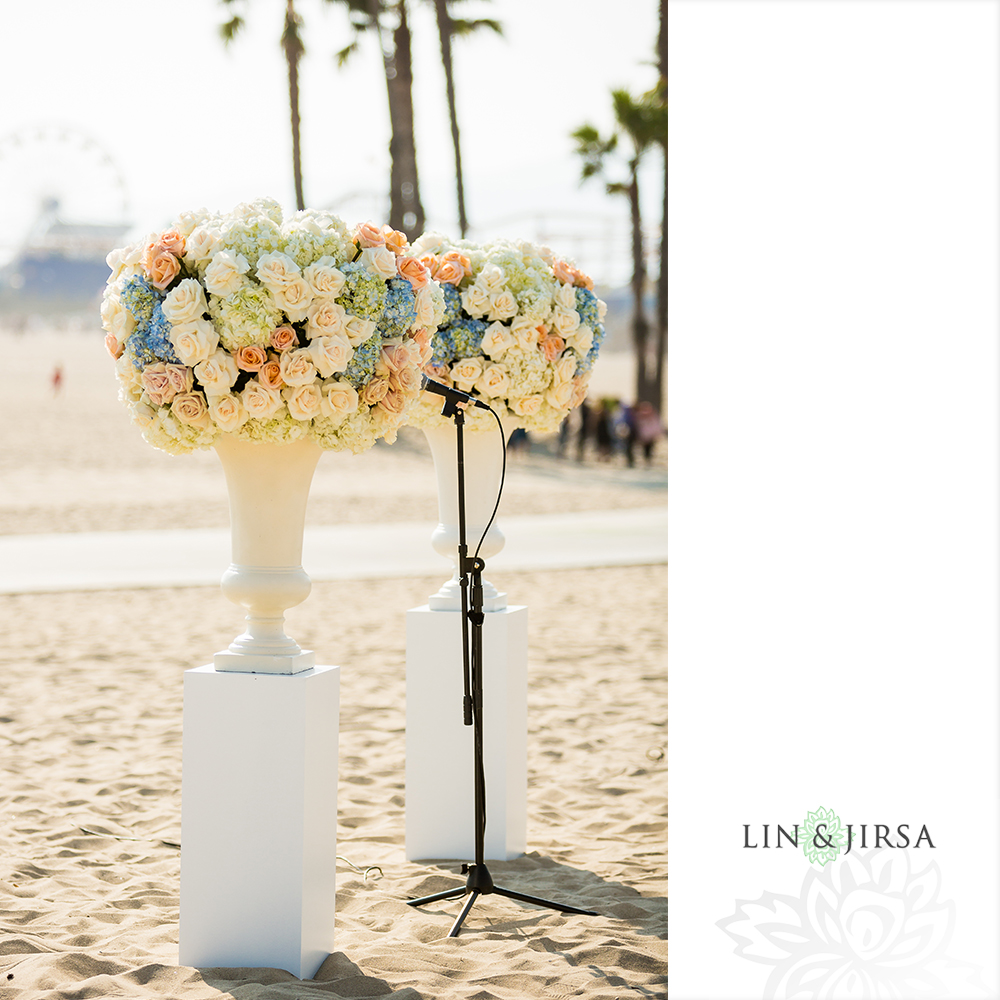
x=466, y=373
x=191, y=408
x=225, y=274
x=583, y=339
x=195, y=341
x=497, y=340
x=527, y=406
x=565, y=321
x=325, y=278
x=559, y=395
x=491, y=278
x=525, y=333
x=186, y=302
x=425, y=307
x=228, y=412
x=330, y=355
x=260, y=401
x=303, y=401
x=408, y=379
x=142, y=414
x=297, y=367
x=358, y=330
x=493, y=382
x=201, y=243
x=217, y=373
x=566, y=297
x=579, y=390
x=564, y=369
x=325, y=318
x=475, y=300
x=339, y=400
x=294, y=298
x=375, y=390
x=379, y=260
x=276, y=270
x=503, y=305
x=117, y=320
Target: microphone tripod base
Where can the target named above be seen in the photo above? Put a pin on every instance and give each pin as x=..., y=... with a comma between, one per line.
x=480, y=883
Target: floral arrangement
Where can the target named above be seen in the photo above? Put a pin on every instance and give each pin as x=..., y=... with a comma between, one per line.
x=521, y=329
x=269, y=329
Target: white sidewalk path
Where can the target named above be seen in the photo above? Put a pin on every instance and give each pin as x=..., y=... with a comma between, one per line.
x=121, y=559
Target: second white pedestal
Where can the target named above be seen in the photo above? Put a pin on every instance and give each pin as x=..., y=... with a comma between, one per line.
x=259, y=819
x=439, y=748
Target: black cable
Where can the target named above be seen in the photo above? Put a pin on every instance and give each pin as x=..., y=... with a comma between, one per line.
x=503, y=475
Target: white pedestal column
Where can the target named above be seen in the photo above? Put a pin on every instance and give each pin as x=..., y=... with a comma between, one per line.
x=259, y=819
x=439, y=748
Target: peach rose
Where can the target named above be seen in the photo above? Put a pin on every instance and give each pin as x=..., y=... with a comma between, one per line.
x=393, y=358
x=157, y=385
x=330, y=355
x=394, y=239
x=339, y=399
x=228, y=412
x=296, y=367
x=421, y=347
x=114, y=348
x=191, y=408
x=552, y=346
x=432, y=264
x=579, y=391
x=172, y=242
x=408, y=380
x=393, y=401
x=181, y=377
x=527, y=406
x=282, y=339
x=251, y=358
x=582, y=280
x=261, y=401
x=562, y=271
x=453, y=256
x=368, y=235
x=375, y=390
x=270, y=375
x=440, y=373
x=449, y=272
x=414, y=272
x=161, y=266
x=303, y=401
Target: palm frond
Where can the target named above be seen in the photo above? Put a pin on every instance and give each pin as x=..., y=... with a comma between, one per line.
x=231, y=28
x=463, y=27
x=345, y=53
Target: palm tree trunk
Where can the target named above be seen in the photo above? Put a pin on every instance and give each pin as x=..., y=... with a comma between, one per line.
x=292, y=44
x=405, y=210
x=661, y=281
x=444, y=31
x=640, y=326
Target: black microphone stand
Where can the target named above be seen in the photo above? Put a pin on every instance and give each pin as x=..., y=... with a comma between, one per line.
x=479, y=882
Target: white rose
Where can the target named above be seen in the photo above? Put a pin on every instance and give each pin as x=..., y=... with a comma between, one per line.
x=200, y=244
x=582, y=340
x=325, y=318
x=475, y=301
x=194, y=342
x=142, y=414
x=493, y=382
x=525, y=332
x=187, y=221
x=217, y=373
x=564, y=369
x=602, y=309
x=294, y=297
x=224, y=275
x=358, y=330
x=297, y=367
x=503, y=305
x=379, y=260
x=566, y=296
x=425, y=307
x=185, y=303
x=340, y=399
x=565, y=321
x=527, y=406
x=303, y=401
x=559, y=395
x=491, y=278
x=496, y=340
x=325, y=279
x=116, y=319
x=260, y=401
x=228, y=412
x=330, y=354
x=276, y=270
x=466, y=373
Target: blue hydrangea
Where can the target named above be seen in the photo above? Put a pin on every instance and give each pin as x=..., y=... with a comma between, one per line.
x=467, y=335
x=140, y=298
x=362, y=365
x=363, y=293
x=400, y=308
x=587, y=363
x=452, y=303
x=586, y=306
x=443, y=343
x=151, y=341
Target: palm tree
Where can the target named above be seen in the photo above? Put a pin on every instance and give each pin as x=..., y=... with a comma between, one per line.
x=661, y=281
x=459, y=27
x=406, y=212
x=291, y=42
x=642, y=120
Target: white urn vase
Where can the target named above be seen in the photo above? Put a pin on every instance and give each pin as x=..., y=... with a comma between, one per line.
x=483, y=464
x=268, y=491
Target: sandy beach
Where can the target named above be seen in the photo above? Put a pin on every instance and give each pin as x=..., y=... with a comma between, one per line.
x=91, y=709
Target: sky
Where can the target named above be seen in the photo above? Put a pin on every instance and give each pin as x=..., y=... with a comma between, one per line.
x=126, y=107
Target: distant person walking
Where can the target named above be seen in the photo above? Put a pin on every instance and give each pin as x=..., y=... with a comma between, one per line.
x=604, y=430
x=648, y=428
x=583, y=431
x=57, y=380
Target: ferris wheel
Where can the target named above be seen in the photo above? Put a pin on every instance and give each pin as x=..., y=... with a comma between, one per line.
x=60, y=169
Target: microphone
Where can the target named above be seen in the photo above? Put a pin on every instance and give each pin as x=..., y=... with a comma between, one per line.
x=454, y=395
